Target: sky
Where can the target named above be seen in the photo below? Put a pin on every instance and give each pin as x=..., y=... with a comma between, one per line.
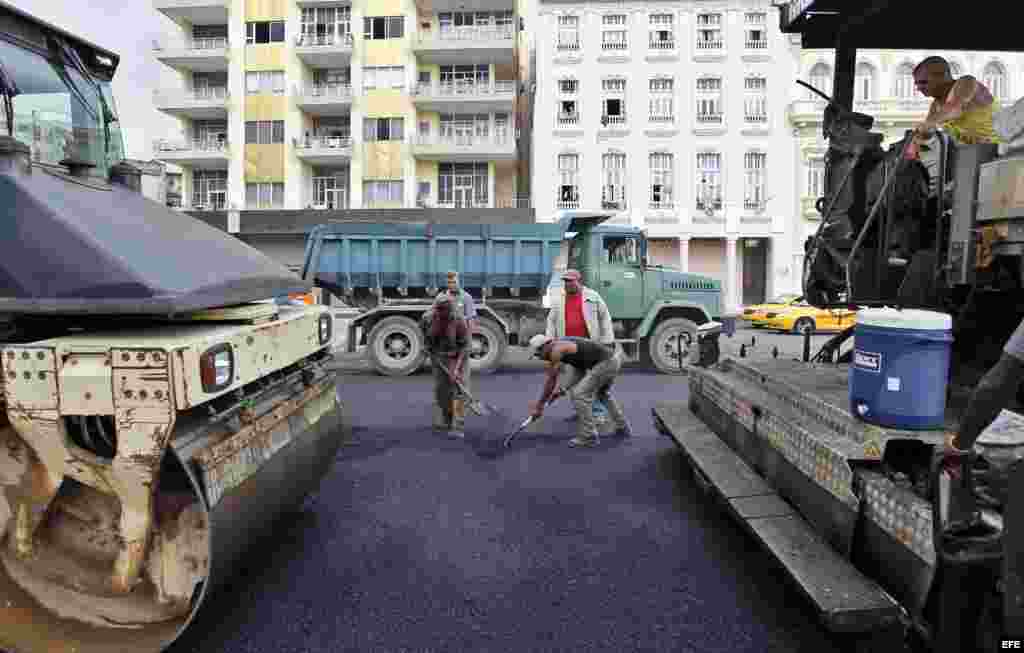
x=128, y=28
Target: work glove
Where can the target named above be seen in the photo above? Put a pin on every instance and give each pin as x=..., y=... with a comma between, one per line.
x=952, y=456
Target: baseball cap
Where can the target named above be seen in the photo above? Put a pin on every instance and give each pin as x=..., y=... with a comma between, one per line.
x=537, y=342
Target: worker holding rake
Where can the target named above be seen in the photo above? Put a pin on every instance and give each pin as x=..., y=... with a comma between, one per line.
x=448, y=343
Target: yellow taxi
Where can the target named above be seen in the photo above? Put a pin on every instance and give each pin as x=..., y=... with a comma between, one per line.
x=809, y=319
x=755, y=314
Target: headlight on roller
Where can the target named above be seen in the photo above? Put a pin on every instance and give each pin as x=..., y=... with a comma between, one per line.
x=326, y=328
x=217, y=368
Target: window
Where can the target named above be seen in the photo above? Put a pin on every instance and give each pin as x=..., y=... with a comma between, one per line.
x=332, y=131
x=422, y=192
x=994, y=77
x=383, y=77
x=757, y=33
x=465, y=77
x=330, y=188
x=662, y=32
x=264, y=195
x=865, y=82
x=754, y=166
x=264, y=82
x=903, y=87
x=613, y=169
x=463, y=185
x=376, y=191
x=264, y=32
x=661, y=165
x=661, y=101
x=709, y=100
x=613, y=32
x=378, y=28
x=484, y=24
x=382, y=129
x=210, y=85
x=209, y=190
x=326, y=25
x=755, y=101
x=621, y=250
x=955, y=70
x=466, y=128
x=332, y=78
x=568, y=102
x=568, y=33
x=821, y=79
x=709, y=181
x=209, y=134
x=264, y=132
x=709, y=32
x=568, y=181
x=614, y=101
x=815, y=178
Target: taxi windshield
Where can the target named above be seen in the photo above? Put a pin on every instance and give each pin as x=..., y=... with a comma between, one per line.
x=59, y=112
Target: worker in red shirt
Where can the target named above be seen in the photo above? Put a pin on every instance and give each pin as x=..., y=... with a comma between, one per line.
x=581, y=313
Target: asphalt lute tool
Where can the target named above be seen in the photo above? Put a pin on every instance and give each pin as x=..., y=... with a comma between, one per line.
x=497, y=422
x=529, y=420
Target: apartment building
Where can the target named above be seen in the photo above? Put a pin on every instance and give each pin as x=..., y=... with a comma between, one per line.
x=884, y=88
x=351, y=104
x=672, y=114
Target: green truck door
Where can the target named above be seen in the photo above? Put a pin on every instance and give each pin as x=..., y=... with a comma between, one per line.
x=621, y=276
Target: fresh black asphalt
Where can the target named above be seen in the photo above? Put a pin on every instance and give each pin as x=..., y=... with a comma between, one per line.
x=417, y=543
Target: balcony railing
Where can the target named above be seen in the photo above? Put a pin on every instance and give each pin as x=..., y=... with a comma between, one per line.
x=193, y=44
x=757, y=44
x=716, y=44
x=567, y=204
x=516, y=202
x=613, y=120
x=661, y=205
x=447, y=140
x=755, y=118
x=614, y=46
x=466, y=89
x=204, y=145
x=324, y=40
x=567, y=119
x=709, y=118
x=659, y=44
x=191, y=95
x=323, y=143
x=568, y=46
x=326, y=91
x=470, y=34
x=661, y=120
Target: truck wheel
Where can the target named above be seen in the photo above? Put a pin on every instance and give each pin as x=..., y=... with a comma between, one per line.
x=488, y=347
x=395, y=346
x=804, y=325
x=709, y=352
x=672, y=338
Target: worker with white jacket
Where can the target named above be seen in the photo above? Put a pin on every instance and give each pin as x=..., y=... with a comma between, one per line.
x=581, y=312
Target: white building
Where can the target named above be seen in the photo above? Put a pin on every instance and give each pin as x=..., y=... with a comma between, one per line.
x=673, y=114
x=884, y=88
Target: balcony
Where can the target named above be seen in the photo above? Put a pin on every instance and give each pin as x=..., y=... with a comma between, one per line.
x=194, y=55
x=324, y=3
x=659, y=49
x=708, y=49
x=481, y=45
x=324, y=150
x=755, y=122
x=709, y=122
x=324, y=50
x=208, y=154
x=567, y=121
x=460, y=148
x=194, y=12
x=562, y=205
x=198, y=104
x=756, y=50
x=496, y=96
x=324, y=100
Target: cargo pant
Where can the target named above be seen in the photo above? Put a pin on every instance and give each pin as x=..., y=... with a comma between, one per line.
x=596, y=383
x=450, y=409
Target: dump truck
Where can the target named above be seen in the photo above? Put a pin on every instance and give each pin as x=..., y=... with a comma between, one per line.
x=892, y=550
x=669, y=319
x=159, y=410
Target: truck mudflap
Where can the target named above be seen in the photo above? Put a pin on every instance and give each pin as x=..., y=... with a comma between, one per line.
x=225, y=480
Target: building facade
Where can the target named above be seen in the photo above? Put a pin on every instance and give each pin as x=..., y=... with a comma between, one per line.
x=336, y=105
x=672, y=114
x=884, y=88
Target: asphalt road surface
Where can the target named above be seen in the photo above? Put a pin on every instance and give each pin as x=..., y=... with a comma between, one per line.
x=417, y=543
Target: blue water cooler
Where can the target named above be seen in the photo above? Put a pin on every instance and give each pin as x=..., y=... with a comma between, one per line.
x=900, y=367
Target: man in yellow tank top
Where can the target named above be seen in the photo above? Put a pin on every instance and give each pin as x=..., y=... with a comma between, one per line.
x=962, y=107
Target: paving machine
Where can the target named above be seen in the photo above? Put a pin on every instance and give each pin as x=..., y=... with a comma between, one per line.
x=893, y=551
x=158, y=409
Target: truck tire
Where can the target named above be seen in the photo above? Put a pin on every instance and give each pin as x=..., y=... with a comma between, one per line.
x=489, y=345
x=395, y=346
x=663, y=346
x=709, y=352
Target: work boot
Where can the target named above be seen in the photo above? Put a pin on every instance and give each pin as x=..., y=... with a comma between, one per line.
x=582, y=441
x=624, y=431
x=442, y=420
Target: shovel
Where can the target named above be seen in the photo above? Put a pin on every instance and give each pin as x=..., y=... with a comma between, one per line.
x=529, y=420
x=496, y=422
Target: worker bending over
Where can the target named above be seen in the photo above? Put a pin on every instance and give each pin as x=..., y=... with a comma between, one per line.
x=595, y=367
x=447, y=343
